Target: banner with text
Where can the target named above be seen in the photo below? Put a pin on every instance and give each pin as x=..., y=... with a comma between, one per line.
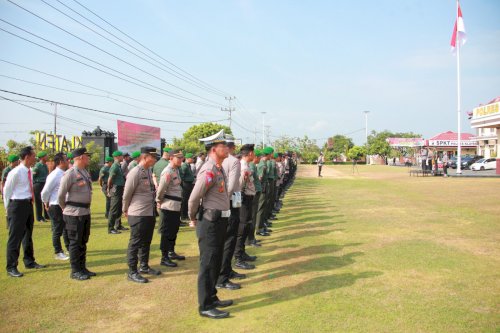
x=132, y=137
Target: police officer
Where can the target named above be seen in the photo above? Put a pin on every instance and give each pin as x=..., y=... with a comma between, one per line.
x=75, y=196
x=124, y=164
x=50, y=200
x=251, y=240
x=103, y=182
x=40, y=172
x=135, y=160
x=248, y=191
x=169, y=201
x=187, y=178
x=18, y=202
x=116, y=182
x=211, y=187
x=232, y=168
x=262, y=171
x=138, y=206
x=158, y=168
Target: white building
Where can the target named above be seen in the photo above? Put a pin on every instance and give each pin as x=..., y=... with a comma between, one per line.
x=486, y=119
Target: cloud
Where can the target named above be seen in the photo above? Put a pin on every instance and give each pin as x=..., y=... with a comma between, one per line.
x=318, y=125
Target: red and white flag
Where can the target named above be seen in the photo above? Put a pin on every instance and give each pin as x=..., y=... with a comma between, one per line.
x=458, y=31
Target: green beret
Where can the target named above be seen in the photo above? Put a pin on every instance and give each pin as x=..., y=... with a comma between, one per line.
x=117, y=153
x=69, y=155
x=41, y=154
x=13, y=158
x=109, y=159
x=188, y=155
x=268, y=150
x=275, y=155
x=135, y=154
x=167, y=149
x=258, y=152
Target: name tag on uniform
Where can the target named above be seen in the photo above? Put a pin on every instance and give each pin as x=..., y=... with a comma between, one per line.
x=226, y=213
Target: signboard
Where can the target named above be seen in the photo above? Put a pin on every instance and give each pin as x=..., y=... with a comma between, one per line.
x=406, y=142
x=131, y=136
x=486, y=110
x=57, y=143
x=452, y=143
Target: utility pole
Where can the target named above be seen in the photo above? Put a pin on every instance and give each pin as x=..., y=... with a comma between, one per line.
x=366, y=136
x=268, y=133
x=55, y=118
x=263, y=131
x=229, y=109
x=255, y=135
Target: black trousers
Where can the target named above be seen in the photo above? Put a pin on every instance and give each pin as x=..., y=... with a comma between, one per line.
x=108, y=200
x=115, y=208
x=211, y=235
x=78, y=228
x=20, y=215
x=141, y=234
x=270, y=198
x=319, y=169
x=187, y=188
x=58, y=228
x=244, y=226
x=255, y=207
x=261, y=211
x=41, y=213
x=171, y=221
x=229, y=245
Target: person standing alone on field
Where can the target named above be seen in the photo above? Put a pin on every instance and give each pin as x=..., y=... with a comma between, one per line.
x=321, y=161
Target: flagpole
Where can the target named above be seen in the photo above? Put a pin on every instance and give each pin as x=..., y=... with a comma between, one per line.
x=459, y=141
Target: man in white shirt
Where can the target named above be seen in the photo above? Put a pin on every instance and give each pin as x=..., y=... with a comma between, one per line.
x=50, y=201
x=18, y=201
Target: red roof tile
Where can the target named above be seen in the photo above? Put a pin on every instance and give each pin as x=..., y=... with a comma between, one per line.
x=452, y=136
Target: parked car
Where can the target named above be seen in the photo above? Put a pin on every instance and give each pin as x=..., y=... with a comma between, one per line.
x=468, y=161
x=484, y=164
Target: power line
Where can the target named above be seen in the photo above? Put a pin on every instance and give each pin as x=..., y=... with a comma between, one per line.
x=146, y=48
x=108, y=112
x=94, y=88
x=165, y=68
x=165, y=92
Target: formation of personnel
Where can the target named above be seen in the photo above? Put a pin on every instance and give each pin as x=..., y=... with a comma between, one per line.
x=230, y=198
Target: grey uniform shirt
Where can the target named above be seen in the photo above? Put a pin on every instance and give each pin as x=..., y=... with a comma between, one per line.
x=232, y=167
x=76, y=186
x=211, y=187
x=246, y=180
x=170, y=185
x=138, y=193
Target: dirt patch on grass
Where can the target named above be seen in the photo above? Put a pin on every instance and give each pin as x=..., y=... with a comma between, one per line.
x=311, y=171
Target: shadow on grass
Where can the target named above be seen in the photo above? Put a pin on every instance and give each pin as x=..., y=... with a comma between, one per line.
x=310, y=287
x=297, y=235
x=307, y=251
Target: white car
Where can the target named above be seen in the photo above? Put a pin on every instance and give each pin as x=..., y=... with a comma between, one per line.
x=484, y=164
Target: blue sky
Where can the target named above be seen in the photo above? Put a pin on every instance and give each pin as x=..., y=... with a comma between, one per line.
x=313, y=66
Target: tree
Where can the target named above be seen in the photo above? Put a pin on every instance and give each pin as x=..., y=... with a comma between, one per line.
x=190, y=139
x=341, y=144
x=378, y=145
x=286, y=143
x=308, y=149
x=356, y=153
x=94, y=159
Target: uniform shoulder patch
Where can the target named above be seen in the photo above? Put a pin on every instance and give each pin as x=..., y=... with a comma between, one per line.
x=209, y=177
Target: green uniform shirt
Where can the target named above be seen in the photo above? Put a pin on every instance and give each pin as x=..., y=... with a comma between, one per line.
x=132, y=165
x=104, y=174
x=116, y=174
x=158, y=168
x=256, y=181
x=262, y=174
x=270, y=169
x=5, y=172
x=186, y=173
x=40, y=172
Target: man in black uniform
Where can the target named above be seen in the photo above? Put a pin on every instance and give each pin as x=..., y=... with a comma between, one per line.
x=40, y=172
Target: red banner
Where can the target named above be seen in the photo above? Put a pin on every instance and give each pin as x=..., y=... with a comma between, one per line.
x=132, y=137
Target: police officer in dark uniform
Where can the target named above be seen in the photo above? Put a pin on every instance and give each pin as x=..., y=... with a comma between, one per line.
x=211, y=188
x=116, y=182
x=40, y=173
x=138, y=206
x=103, y=182
x=75, y=196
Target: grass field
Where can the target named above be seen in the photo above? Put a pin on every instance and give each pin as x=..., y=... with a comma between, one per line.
x=376, y=251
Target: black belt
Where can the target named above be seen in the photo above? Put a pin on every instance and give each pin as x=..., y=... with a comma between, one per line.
x=77, y=204
x=20, y=200
x=172, y=198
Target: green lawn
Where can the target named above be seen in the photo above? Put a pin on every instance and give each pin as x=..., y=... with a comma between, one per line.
x=376, y=251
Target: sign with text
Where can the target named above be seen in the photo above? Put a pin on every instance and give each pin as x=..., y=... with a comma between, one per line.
x=131, y=136
x=406, y=142
x=486, y=110
x=56, y=142
x=452, y=143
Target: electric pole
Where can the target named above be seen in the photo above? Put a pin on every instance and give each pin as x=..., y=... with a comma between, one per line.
x=229, y=109
x=268, y=133
x=263, y=131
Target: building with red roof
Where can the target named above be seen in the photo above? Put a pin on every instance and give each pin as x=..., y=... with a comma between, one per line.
x=486, y=119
